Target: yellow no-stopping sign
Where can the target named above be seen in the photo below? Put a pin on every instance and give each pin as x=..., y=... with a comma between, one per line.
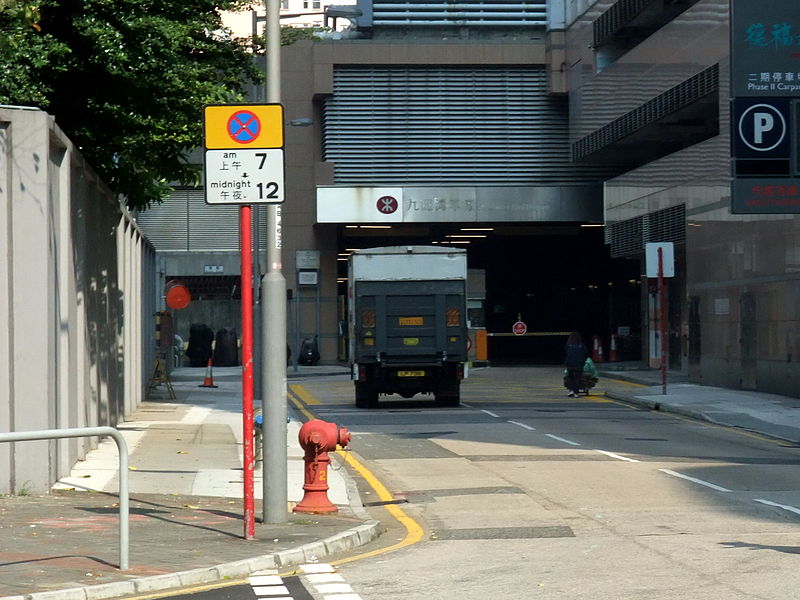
x=244, y=154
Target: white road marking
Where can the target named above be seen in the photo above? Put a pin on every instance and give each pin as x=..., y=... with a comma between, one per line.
x=695, y=480
x=317, y=567
x=783, y=506
x=560, y=439
x=267, y=584
x=528, y=427
x=271, y=590
x=490, y=413
x=617, y=456
x=324, y=578
x=334, y=588
x=327, y=582
x=265, y=580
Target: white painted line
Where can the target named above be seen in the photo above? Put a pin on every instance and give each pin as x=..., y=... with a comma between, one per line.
x=617, y=456
x=271, y=590
x=783, y=506
x=324, y=578
x=334, y=588
x=695, y=480
x=528, y=427
x=265, y=580
x=490, y=413
x=560, y=439
x=317, y=567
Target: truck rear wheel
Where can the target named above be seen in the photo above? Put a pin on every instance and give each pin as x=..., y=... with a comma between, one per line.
x=449, y=392
x=366, y=395
x=449, y=396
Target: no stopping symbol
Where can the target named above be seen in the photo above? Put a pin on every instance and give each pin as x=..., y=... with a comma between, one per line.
x=244, y=127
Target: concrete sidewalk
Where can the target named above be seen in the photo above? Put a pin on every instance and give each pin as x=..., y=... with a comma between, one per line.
x=768, y=414
x=186, y=507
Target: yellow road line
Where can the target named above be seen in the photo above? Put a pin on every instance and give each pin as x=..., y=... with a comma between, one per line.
x=630, y=383
x=300, y=406
x=414, y=532
x=303, y=394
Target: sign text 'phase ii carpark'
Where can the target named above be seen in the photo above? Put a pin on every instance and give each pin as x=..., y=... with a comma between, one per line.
x=244, y=154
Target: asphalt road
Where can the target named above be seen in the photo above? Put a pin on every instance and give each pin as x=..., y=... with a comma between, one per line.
x=522, y=490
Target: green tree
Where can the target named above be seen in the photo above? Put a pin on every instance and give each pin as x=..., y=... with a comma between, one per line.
x=126, y=80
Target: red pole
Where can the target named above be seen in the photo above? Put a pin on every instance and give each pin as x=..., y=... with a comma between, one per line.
x=245, y=226
x=662, y=306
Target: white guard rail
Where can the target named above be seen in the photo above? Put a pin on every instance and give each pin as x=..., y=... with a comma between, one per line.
x=52, y=434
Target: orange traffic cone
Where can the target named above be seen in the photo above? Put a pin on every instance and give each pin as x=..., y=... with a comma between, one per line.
x=612, y=353
x=209, y=378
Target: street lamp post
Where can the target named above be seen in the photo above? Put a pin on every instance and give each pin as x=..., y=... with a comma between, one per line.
x=273, y=306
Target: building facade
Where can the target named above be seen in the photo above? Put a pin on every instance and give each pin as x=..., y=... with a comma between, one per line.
x=649, y=88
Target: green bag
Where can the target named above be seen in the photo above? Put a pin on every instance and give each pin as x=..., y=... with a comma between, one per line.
x=589, y=369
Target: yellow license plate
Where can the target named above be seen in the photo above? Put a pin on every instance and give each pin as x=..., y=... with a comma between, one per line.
x=409, y=321
x=411, y=373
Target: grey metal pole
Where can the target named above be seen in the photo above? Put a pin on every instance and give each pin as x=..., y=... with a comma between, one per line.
x=122, y=451
x=273, y=295
x=298, y=334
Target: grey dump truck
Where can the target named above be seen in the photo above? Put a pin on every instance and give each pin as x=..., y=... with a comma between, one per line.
x=407, y=322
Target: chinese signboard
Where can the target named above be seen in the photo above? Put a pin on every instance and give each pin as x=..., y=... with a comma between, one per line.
x=244, y=154
x=765, y=48
x=765, y=94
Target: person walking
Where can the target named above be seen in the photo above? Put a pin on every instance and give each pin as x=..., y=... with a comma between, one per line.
x=575, y=355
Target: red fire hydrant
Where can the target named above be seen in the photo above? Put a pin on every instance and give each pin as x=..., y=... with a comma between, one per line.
x=318, y=438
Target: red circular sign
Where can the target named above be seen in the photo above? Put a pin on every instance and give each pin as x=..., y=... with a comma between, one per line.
x=178, y=296
x=244, y=126
x=387, y=205
x=519, y=328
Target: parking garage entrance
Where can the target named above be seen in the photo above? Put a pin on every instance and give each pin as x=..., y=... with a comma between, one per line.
x=555, y=278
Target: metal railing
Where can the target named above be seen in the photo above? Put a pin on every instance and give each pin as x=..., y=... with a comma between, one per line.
x=52, y=434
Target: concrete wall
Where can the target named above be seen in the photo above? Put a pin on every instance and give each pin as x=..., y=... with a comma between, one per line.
x=76, y=301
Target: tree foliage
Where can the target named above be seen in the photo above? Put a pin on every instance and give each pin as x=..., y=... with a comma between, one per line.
x=125, y=79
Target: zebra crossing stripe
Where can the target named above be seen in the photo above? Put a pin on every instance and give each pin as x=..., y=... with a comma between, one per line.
x=271, y=591
x=324, y=578
x=317, y=568
x=327, y=582
x=265, y=580
x=333, y=588
x=267, y=584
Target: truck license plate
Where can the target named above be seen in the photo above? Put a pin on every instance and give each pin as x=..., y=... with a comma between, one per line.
x=411, y=373
x=407, y=321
